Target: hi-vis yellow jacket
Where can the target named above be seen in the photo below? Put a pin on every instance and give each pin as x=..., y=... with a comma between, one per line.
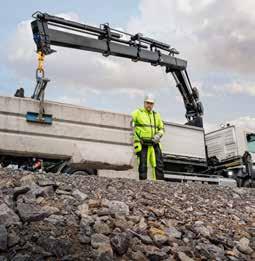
x=146, y=124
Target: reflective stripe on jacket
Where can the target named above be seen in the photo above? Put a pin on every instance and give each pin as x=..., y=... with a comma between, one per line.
x=146, y=124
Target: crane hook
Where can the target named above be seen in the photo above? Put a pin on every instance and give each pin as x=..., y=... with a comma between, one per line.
x=40, y=73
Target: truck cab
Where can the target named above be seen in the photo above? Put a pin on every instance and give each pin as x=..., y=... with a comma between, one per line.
x=231, y=152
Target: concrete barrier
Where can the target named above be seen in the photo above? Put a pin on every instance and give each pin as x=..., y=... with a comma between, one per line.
x=96, y=138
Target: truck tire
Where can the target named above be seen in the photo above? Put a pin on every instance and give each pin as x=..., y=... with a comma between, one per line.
x=81, y=173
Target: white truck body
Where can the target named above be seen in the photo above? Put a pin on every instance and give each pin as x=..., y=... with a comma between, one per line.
x=229, y=142
x=98, y=139
x=184, y=140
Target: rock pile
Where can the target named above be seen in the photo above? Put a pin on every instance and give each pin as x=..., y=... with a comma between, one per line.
x=60, y=217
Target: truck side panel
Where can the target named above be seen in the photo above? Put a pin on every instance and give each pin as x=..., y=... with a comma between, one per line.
x=184, y=140
x=222, y=143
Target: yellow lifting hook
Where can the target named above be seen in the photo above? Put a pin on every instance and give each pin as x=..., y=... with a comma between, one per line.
x=40, y=68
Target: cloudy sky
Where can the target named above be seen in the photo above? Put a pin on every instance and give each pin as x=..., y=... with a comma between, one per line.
x=216, y=37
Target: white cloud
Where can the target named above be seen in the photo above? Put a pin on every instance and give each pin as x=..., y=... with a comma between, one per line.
x=131, y=92
x=74, y=69
x=246, y=121
x=234, y=88
x=214, y=36
x=239, y=88
x=210, y=33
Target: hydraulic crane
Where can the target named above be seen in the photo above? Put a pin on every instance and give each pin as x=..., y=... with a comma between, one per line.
x=50, y=30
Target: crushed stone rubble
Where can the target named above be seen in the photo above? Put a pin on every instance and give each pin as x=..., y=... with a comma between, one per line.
x=63, y=217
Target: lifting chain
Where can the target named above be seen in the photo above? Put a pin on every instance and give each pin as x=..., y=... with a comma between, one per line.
x=40, y=69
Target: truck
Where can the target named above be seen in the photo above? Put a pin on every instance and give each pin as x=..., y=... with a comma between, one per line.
x=75, y=137
x=85, y=140
x=65, y=138
x=231, y=153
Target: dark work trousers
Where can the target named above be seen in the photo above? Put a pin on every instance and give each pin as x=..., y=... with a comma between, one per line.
x=143, y=167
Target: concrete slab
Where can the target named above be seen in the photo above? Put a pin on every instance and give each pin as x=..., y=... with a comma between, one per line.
x=85, y=136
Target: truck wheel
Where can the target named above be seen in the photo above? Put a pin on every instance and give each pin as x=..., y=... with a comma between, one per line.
x=71, y=171
x=81, y=173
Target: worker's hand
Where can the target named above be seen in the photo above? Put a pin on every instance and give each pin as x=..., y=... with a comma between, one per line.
x=157, y=137
x=138, y=148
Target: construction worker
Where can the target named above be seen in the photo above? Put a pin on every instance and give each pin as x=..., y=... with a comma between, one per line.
x=148, y=130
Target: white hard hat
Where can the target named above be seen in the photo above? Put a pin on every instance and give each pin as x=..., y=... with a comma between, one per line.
x=149, y=98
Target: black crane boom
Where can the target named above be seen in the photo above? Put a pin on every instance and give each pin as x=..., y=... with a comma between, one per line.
x=50, y=30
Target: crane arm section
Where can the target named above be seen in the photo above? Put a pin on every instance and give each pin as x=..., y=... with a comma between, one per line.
x=51, y=31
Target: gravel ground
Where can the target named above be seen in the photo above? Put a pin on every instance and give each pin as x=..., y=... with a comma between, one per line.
x=60, y=217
